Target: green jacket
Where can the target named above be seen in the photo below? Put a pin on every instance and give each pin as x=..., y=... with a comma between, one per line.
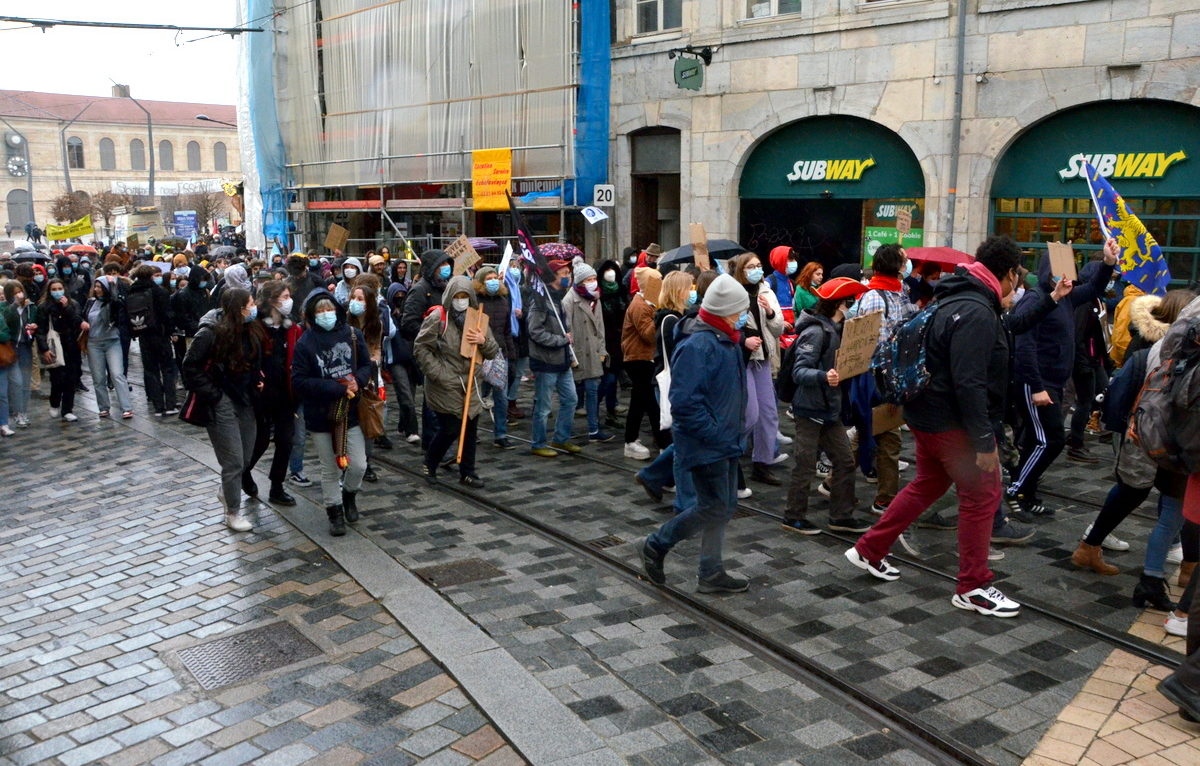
x=805, y=299
x=9, y=328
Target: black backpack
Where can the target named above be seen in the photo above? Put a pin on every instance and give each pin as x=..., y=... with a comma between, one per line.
x=1123, y=391
x=139, y=307
x=1165, y=421
x=785, y=384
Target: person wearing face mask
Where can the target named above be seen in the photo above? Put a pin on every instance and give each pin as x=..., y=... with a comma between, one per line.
x=27, y=321
x=647, y=258
x=817, y=410
x=351, y=268
x=438, y=352
x=366, y=316
x=550, y=360
x=585, y=317
x=809, y=279
x=148, y=306
x=493, y=296
x=188, y=305
x=78, y=283
x=57, y=310
x=707, y=395
x=426, y=293
x=785, y=265
x=275, y=409
x=223, y=368
x=405, y=374
x=760, y=343
x=10, y=332
x=613, y=303
x=330, y=364
x=638, y=338
x=100, y=322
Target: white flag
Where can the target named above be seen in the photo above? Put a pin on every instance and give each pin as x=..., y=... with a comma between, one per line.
x=594, y=214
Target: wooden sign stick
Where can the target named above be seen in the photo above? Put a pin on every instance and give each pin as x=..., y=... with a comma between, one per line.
x=475, y=319
x=462, y=431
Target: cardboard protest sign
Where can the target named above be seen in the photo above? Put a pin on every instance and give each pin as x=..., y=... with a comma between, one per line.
x=475, y=318
x=903, y=220
x=337, y=237
x=886, y=417
x=1062, y=260
x=463, y=254
x=131, y=242
x=860, y=336
x=700, y=246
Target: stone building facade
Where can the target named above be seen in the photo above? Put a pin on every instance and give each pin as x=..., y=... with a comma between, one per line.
x=859, y=80
x=107, y=150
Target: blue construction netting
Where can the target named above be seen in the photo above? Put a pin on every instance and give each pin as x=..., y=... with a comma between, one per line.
x=591, y=118
x=264, y=120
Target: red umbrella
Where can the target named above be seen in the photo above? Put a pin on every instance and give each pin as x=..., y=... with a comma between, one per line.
x=948, y=257
x=82, y=249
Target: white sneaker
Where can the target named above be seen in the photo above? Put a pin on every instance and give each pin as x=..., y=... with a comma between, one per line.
x=70, y=417
x=6, y=431
x=783, y=440
x=55, y=412
x=1112, y=542
x=1175, y=554
x=882, y=570
x=744, y=493
x=823, y=469
x=635, y=451
x=1175, y=626
x=22, y=421
x=780, y=458
x=413, y=438
x=824, y=490
x=989, y=601
x=237, y=522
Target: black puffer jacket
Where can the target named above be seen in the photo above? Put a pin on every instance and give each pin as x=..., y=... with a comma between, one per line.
x=426, y=292
x=191, y=303
x=613, y=302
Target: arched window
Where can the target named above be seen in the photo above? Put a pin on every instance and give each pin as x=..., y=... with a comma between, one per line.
x=19, y=213
x=74, y=152
x=219, y=161
x=166, y=156
x=108, y=154
x=137, y=154
x=193, y=155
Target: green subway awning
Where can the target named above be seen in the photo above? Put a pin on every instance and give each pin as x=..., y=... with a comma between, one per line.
x=842, y=157
x=1145, y=148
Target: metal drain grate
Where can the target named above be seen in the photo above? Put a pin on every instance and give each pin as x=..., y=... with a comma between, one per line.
x=239, y=657
x=601, y=543
x=458, y=573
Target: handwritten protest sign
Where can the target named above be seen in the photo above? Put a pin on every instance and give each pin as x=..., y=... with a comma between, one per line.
x=337, y=237
x=463, y=254
x=903, y=220
x=700, y=246
x=860, y=336
x=1062, y=260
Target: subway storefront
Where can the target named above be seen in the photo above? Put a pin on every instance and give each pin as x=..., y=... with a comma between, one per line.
x=830, y=187
x=1149, y=151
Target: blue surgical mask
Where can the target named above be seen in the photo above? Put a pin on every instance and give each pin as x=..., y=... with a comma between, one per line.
x=203, y=284
x=692, y=298
x=67, y=270
x=792, y=267
x=444, y=271
x=326, y=320
x=357, y=308
x=515, y=274
x=907, y=268
x=492, y=286
x=57, y=294
x=742, y=320
x=564, y=282
x=156, y=280
x=38, y=278
x=252, y=315
x=754, y=275
x=312, y=262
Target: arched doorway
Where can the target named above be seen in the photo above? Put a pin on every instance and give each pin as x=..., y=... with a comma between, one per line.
x=19, y=212
x=830, y=188
x=1150, y=152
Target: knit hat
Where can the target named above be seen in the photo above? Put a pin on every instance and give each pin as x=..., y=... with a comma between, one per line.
x=582, y=272
x=840, y=288
x=725, y=297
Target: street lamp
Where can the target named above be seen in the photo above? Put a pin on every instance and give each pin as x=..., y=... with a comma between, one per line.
x=123, y=90
x=206, y=118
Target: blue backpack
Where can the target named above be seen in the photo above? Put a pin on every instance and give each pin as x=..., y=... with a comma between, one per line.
x=1123, y=391
x=899, y=363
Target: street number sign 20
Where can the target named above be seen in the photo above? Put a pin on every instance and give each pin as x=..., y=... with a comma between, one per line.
x=604, y=195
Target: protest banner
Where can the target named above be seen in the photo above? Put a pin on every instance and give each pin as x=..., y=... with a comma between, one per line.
x=700, y=246
x=71, y=230
x=860, y=336
x=463, y=255
x=337, y=237
x=1062, y=260
x=491, y=175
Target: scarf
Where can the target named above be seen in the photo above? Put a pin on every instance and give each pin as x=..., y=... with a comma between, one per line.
x=719, y=324
x=887, y=284
x=582, y=292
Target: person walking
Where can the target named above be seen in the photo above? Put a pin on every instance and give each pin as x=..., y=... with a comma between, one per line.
x=550, y=360
x=330, y=364
x=1089, y=371
x=638, y=338
x=493, y=298
x=784, y=265
x=149, y=310
x=951, y=421
x=585, y=317
x=223, y=368
x=760, y=343
x=24, y=344
x=104, y=346
x=405, y=374
x=708, y=401
x=10, y=333
x=613, y=303
x=275, y=412
x=65, y=317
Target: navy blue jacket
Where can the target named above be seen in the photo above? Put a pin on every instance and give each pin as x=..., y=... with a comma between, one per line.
x=1046, y=355
x=321, y=359
x=708, y=395
x=818, y=340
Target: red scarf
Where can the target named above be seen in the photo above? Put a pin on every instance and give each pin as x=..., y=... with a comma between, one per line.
x=888, y=284
x=719, y=324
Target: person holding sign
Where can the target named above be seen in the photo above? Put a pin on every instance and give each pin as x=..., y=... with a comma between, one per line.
x=439, y=352
x=817, y=409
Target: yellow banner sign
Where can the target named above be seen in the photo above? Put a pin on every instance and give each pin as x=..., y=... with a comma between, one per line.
x=491, y=174
x=71, y=230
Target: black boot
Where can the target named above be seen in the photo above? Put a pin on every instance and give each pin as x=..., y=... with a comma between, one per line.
x=337, y=520
x=279, y=495
x=762, y=474
x=1152, y=592
x=248, y=485
x=351, y=506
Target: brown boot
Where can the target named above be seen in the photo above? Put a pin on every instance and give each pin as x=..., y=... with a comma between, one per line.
x=1185, y=573
x=1089, y=557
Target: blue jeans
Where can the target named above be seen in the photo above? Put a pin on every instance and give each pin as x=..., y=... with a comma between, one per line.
x=296, y=464
x=716, y=498
x=664, y=471
x=516, y=368
x=608, y=391
x=19, y=377
x=591, y=390
x=4, y=375
x=1170, y=521
x=499, y=396
x=106, y=361
x=544, y=384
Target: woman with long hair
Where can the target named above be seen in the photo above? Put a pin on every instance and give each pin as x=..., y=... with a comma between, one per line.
x=760, y=345
x=60, y=312
x=811, y=277
x=223, y=368
x=366, y=317
x=102, y=324
x=276, y=410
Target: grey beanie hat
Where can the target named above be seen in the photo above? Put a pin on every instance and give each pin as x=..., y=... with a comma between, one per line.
x=583, y=271
x=725, y=297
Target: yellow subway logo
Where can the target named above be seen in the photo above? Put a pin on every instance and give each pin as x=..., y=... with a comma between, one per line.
x=1128, y=165
x=829, y=170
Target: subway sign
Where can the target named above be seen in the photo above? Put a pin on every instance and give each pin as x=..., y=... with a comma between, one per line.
x=829, y=170
x=1128, y=165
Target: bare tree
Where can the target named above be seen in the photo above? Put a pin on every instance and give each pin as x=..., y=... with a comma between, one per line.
x=209, y=206
x=70, y=207
x=105, y=202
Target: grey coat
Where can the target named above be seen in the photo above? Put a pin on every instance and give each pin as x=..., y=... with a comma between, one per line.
x=436, y=350
x=547, y=337
x=586, y=320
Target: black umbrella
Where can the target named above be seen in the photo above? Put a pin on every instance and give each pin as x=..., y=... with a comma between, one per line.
x=222, y=251
x=30, y=256
x=718, y=250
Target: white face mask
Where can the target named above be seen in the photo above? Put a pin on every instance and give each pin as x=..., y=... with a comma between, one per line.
x=460, y=304
x=610, y=276
x=285, y=307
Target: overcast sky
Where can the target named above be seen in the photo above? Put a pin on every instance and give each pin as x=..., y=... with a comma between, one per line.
x=82, y=60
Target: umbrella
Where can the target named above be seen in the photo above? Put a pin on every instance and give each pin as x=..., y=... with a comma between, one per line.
x=948, y=257
x=560, y=250
x=82, y=249
x=30, y=256
x=481, y=244
x=226, y=251
x=718, y=250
